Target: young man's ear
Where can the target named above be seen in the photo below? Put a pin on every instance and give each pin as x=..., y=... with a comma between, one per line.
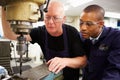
x=101, y=23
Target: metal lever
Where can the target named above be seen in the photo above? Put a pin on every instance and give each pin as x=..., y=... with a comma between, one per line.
x=45, y=9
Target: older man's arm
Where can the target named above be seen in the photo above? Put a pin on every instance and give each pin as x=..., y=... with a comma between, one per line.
x=57, y=64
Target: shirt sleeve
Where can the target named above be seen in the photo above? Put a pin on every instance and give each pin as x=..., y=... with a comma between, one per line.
x=36, y=34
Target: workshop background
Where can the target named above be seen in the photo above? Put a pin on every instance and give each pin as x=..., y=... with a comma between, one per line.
x=73, y=9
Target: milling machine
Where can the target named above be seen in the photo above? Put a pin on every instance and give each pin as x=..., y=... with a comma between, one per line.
x=21, y=14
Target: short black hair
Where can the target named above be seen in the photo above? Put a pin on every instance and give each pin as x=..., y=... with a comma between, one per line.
x=95, y=8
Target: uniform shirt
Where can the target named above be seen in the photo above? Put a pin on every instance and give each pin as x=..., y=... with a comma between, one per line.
x=95, y=39
x=103, y=56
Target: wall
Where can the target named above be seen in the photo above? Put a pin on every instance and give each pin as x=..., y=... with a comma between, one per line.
x=109, y=22
x=73, y=20
x=1, y=30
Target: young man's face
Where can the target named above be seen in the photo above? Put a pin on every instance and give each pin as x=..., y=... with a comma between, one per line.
x=90, y=26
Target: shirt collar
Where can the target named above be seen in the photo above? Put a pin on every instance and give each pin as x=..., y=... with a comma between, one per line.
x=97, y=36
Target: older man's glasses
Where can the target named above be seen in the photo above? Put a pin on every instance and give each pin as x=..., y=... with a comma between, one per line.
x=88, y=23
x=55, y=19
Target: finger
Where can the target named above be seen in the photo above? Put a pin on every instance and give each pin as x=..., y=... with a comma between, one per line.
x=59, y=69
x=52, y=65
x=56, y=68
x=49, y=61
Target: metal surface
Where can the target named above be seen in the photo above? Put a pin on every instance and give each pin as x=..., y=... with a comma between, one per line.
x=37, y=73
x=5, y=2
x=22, y=10
x=5, y=55
x=20, y=14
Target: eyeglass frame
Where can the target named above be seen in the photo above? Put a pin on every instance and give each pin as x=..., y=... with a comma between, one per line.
x=54, y=18
x=88, y=23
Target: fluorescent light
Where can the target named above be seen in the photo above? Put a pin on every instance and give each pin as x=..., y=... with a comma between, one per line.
x=76, y=3
x=112, y=15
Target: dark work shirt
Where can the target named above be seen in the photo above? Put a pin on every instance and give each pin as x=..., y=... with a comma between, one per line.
x=103, y=56
x=75, y=46
x=56, y=43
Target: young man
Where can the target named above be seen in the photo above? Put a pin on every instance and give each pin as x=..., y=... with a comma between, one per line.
x=102, y=45
x=59, y=42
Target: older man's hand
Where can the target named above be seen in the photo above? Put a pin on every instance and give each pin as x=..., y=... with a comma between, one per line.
x=56, y=64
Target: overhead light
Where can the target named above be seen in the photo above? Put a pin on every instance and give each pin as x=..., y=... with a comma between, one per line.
x=76, y=3
x=112, y=15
